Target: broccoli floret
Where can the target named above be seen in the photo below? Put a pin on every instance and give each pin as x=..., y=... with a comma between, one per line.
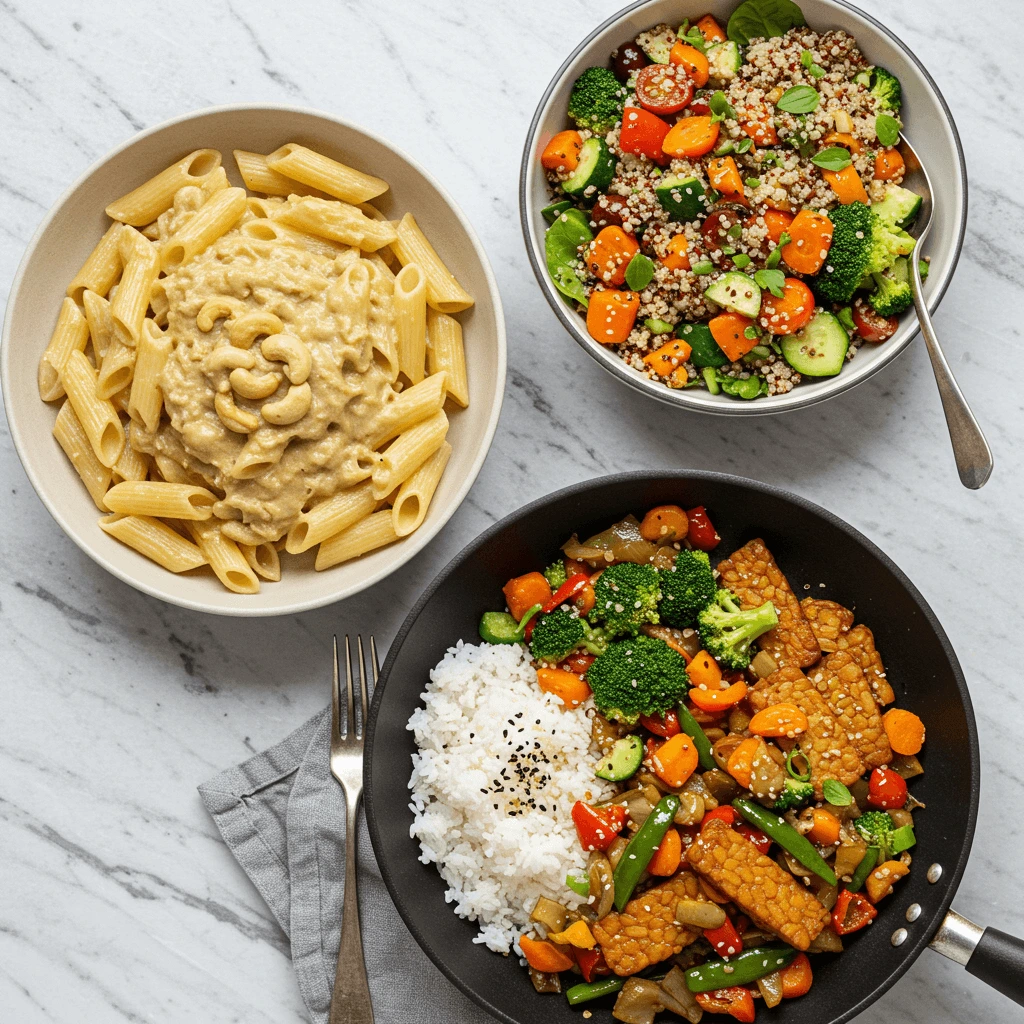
x=726, y=631
x=625, y=597
x=555, y=574
x=892, y=294
x=888, y=244
x=559, y=633
x=687, y=588
x=639, y=676
x=886, y=86
x=875, y=828
x=793, y=795
x=596, y=100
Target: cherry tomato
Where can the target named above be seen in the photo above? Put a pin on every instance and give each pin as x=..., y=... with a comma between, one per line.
x=872, y=326
x=700, y=105
x=667, y=725
x=608, y=210
x=762, y=842
x=628, y=58
x=702, y=533
x=886, y=789
x=643, y=132
x=664, y=88
x=715, y=231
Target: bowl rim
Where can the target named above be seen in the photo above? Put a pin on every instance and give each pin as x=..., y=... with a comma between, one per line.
x=414, y=543
x=799, y=398
x=923, y=936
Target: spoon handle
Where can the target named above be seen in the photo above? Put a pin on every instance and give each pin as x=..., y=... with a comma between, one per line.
x=970, y=449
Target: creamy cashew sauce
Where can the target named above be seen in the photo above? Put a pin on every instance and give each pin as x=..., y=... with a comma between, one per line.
x=282, y=363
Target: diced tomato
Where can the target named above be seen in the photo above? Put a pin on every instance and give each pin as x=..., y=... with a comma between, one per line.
x=597, y=829
x=664, y=88
x=715, y=230
x=886, y=789
x=700, y=105
x=756, y=836
x=852, y=912
x=666, y=725
x=643, y=132
x=725, y=940
x=726, y=813
x=578, y=662
x=736, y=1001
x=872, y=326
x=592, y=963
x=702, y=533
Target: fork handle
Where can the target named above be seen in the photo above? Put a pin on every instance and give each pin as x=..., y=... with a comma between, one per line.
x=350, y=1000
x=970, y=449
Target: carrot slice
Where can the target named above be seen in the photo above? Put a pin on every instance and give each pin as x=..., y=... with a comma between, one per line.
x=741, y=761
x=691, y=137
x=544, y=956
x=847, y=185
x=728, y=330
x=611, y=315
x=676, y=258
x=667, y=856
x=762, y=132
x=696, y=64
x=609, y=254
x=844, y=139
x=905, y=731
x=789, y=313
x=715, y=699
x=667, y=359
x=711, y=30
x=676, y=760
x=777, y=221
x=724, y=175
x=824, y=827
x=783, y=719
x=523, y=592
x=811, y=235
x=889, y=165
x=566, y=686
x=797, y=978
x=562, y=153
x=665, y=522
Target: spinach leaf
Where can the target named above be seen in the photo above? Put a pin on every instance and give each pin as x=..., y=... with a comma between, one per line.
x=799, y=99
x=640, y=272
x=566, y=234
x=763, y=18
x=835, y=158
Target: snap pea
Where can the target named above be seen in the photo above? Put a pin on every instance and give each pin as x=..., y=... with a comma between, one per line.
x=742, y=969
x=502, y=628
x=692, y=728
x=640, y=849
x=786, y=836
x=587, y=990
x=864, y=868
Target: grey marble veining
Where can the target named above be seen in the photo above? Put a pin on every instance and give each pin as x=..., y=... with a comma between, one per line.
x=119, y=902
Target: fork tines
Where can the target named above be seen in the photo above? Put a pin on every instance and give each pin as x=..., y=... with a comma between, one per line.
x=354, y=717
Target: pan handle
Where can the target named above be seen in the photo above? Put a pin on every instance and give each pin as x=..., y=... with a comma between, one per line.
x=989, y=954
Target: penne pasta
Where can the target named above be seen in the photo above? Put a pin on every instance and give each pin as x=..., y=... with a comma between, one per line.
x=101, y=267
x=130, y=302
x=263, y=560
x=150, y=199
x=72, y=438
x=132, y=465
x=259, y=176
x=327, y=175
x=444, y=293
x=160, y=499
x=101, y=324
x=413, y=498
x=146, y=401
x=337, y=221
x=411, y=406
x=215, y=182
x=217, y=215
x=98, y=416
x=70, y=335
x=156, y=540
x=407, y=453
x=331, y=517
x=375, y=531
x=115, y=375
x=446, y=354
x=224, y=556
x=410, y=298
x=267, y=230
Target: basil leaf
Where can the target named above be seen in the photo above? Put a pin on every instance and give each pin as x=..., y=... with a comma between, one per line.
x=835, y=158
x=756, y=19
x=561, y=252
x=799, y=99
x=836, y=793
x=695, y=38
x=720, y=107
x=771, y=280
x=887, y=128
x=640, y=272
x=845, y=317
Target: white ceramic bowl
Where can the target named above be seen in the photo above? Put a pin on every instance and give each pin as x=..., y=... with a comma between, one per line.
x=72, y=228
x=928, y=125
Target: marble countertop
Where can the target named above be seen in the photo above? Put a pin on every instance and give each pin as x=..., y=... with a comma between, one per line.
x=119, y=901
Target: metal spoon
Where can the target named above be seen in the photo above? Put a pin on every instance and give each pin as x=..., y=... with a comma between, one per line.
x=970, y=449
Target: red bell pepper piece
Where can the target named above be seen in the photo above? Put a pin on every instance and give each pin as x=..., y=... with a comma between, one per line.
x=666, y=725
x=592, y=963
x=578, y=662
x=701, y=533
x=852, y=912
x=643, y=133
x=726, y=813
x=597, y=829
x=566, y=592
x=886, y=789
x=736, y=1001
x=797, y=978
x=725, y=940
x=756, y=836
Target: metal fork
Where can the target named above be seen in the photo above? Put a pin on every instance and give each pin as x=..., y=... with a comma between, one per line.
x=350, y=1000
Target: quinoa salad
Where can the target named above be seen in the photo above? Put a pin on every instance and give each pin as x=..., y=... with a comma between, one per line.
x=663, y=780
x=728, y=211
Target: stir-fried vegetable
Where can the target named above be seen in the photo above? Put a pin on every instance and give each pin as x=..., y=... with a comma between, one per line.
x=641, y=848
x=786, y=836
x=743, y=969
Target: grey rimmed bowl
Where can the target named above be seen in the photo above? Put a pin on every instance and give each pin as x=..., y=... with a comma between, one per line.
x=928, y=124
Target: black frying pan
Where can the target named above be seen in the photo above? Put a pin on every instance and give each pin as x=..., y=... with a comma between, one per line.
x=812, y=546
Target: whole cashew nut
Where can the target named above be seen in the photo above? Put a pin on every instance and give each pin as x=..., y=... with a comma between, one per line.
x=292, y=407
x=224, y=357
x=287, y=349
x=248, y=385
x=214, y=309
x=246, y=329
x=238, y=420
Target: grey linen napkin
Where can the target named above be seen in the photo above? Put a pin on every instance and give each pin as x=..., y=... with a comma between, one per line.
x=282, y=815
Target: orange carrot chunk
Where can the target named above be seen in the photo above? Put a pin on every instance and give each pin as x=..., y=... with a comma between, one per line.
x=566, y=686
x=724, y=175
x=777, y=221
x=544, y=956
x=847, y=185
x=693, y=60
x=666, y=522
x=676, y=258
x=728, y=330
x=667, y=359
x=676, y=760
x=715, y=699
x=904, y=730
x=611, y=315
x=889, y=165
x=691, y=137
x=824, y=827
x=741, y=761
x=789, y=313
x=562, y=153
x=811, y=235
x=523, y=592
x=609, y=254
x=667, y=856
x=711, y=30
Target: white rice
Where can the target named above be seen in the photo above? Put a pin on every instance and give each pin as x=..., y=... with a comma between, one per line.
x=499, y=840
